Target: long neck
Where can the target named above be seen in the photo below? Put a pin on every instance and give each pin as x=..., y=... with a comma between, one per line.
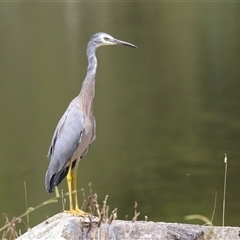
x=87, y=92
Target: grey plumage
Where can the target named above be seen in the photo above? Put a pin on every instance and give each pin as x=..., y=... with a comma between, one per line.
x=76, y=129
x=65, y=142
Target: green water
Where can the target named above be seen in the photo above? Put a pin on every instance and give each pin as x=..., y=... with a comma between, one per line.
x=166, y=112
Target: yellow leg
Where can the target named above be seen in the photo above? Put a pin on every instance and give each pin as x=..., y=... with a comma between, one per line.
x=74, y=178
x=72, y=188
x=69, y=183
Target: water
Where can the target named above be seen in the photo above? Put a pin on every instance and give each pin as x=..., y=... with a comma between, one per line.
x=166, y=112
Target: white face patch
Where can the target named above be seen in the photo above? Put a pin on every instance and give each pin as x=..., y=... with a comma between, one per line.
x=106, y=40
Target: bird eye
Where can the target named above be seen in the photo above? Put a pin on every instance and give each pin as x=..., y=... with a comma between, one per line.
x=106, y=38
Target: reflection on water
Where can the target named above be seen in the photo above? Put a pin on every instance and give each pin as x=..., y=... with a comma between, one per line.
x=166, y=112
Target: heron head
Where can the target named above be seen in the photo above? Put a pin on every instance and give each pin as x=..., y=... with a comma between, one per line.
x=104, y=39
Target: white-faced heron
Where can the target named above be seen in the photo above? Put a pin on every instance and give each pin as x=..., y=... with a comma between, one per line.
x=76, y=129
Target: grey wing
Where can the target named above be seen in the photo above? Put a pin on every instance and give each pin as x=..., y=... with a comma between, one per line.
x=65, y=141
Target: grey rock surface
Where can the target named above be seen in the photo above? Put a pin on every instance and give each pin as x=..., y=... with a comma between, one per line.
x=65, y=226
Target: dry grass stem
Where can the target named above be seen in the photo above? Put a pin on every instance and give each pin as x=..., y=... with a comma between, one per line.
x=136, y=214
x=91, y=204
x=224, y=189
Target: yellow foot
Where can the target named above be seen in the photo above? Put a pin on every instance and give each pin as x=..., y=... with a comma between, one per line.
x=78, y=212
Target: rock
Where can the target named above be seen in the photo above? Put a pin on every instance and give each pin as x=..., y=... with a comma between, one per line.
x=65, y=226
